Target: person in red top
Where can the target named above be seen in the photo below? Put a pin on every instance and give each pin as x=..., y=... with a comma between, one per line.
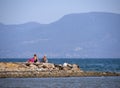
x=34, y=59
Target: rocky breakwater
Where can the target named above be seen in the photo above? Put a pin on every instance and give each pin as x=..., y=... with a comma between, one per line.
x=46, y=70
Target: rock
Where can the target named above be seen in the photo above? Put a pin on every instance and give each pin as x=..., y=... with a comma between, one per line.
x=40, y=65
x=11, y=66
x=75, y=67
x=33, y=67
x=28, y=64
x=69, y=65
x=59, y=67
x=48, y=65
x=66, y=68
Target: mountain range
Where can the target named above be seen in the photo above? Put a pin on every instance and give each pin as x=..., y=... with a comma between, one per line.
x=84, y=35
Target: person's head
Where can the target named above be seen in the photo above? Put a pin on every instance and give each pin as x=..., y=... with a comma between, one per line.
x=35, y=56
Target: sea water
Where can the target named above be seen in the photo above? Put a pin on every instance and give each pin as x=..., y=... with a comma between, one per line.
x=65, y=82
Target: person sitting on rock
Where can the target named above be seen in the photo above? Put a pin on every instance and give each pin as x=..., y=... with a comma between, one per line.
x=34, y=59
x=44, y=59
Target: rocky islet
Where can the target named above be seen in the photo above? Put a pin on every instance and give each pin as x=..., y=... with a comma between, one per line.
x=23, y=69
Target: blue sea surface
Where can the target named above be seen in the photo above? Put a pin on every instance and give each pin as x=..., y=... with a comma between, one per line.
x=89, y=64
x=66, y=82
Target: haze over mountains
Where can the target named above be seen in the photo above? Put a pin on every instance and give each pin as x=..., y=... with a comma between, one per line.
x=95, y=34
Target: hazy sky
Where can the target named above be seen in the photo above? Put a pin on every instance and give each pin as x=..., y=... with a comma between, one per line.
x=47, y=11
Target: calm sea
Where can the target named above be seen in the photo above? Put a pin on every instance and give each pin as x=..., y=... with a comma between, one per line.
x=68, y=82
x=111, y=65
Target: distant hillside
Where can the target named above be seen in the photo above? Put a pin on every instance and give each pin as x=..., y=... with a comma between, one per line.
x=94, y=34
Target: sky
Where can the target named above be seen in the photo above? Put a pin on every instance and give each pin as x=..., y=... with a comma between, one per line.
x=48, y=11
